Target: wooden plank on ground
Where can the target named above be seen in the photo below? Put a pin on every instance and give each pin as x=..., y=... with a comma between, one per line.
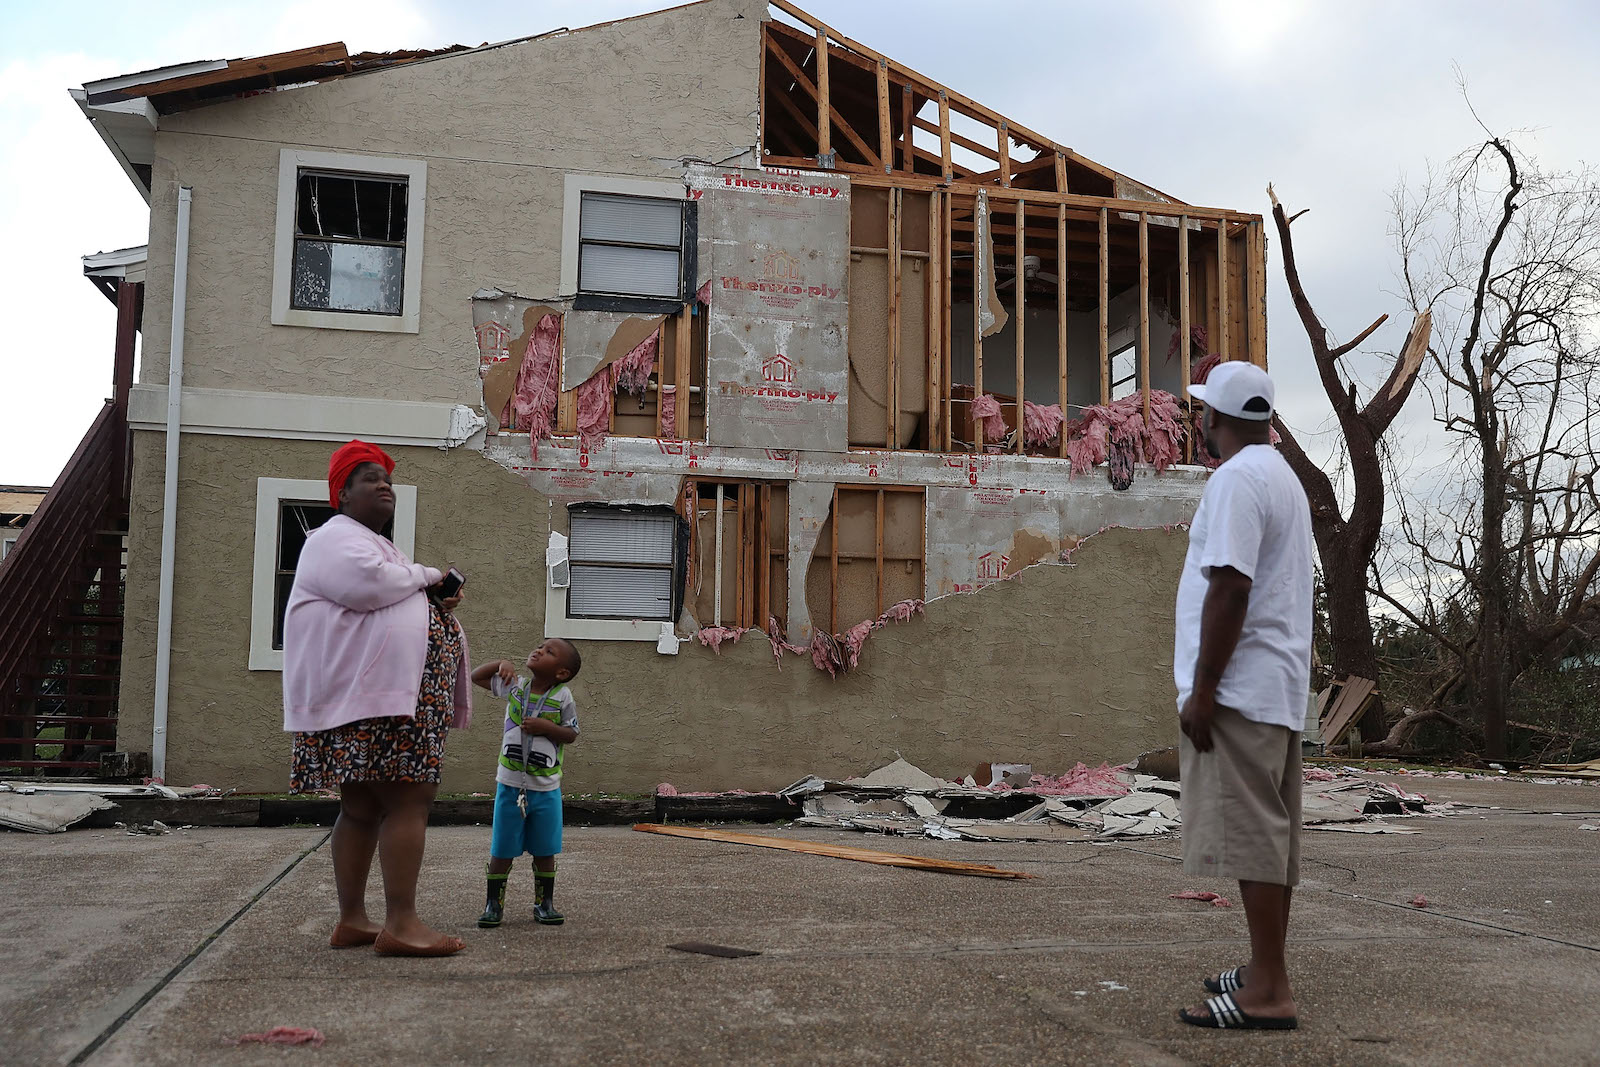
x=843, y=852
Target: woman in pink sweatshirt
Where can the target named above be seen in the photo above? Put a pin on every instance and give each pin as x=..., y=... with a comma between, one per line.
x=375, y=673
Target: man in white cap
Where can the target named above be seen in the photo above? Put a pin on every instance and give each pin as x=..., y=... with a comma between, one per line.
x=1242, y=663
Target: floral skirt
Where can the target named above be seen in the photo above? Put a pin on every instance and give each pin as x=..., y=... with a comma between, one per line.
x=390, y=749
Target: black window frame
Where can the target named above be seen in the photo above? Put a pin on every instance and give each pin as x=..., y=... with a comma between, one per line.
x=688, y=265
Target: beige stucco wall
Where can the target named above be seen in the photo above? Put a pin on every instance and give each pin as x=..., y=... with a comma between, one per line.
x=499, y=130
x=1056, y=665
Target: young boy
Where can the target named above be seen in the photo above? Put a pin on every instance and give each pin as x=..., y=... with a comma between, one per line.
x=541, y=720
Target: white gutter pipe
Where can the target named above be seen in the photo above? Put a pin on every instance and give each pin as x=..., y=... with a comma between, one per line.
x=169, y=495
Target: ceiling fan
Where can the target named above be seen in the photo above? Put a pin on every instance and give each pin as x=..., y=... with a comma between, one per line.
x=1030, y=273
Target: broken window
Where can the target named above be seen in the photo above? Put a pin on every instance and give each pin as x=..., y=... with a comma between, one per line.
x=631, y=246
x=625, y=563
x=738, y=552
x=870, y=555
x=349, y=242
x=296, y=520
x=1124, y=372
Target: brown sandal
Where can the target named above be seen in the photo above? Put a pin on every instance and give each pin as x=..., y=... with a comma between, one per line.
x=388, y=945
x=348, y=937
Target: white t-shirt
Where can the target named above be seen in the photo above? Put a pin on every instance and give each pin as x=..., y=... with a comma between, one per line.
x=1253, y=517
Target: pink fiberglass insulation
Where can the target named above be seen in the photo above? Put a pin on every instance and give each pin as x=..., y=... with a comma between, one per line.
x=825, y=653
x=1202, y=370
x=1216, y=900
x=283, y=1035
x=1082, y=781
x=666, y=789
x=669, y=411
x=703, y=296
x=1158, y=443
x=594, y=408
x=1197, y=334
x=1041, y=423
x=713, y=636
x=986, y=409
x=1320, y=774
x=532, y=404
x=1418, y=901
x=852, y=641
x=903, y=611
x=631, y=373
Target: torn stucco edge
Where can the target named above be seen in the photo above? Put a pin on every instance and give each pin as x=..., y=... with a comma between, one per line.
x=634, y=456
x=287, y=416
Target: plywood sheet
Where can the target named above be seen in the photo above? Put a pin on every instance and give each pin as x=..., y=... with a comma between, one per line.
x=778, y=319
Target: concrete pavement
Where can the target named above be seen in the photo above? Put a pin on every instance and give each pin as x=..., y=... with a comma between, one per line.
x=112, y=947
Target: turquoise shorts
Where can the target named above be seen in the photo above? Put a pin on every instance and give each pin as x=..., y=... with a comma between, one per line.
x=538, y=833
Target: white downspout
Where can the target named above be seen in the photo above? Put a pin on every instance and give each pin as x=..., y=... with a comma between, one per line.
x=169, y=495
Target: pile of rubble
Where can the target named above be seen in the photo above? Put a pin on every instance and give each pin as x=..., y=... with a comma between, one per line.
x=1085, y=804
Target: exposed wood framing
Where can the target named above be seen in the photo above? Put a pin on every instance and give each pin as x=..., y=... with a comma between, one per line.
x=948, y=340
x=944, y=135
x=1144, y=314
x=878, y=550
x=907, y=149
x=837, y=120
x=934, y=305
x=885, y=139
x=854, y=52
x=240, y=68
x=824, y=108
x=1004, y=142
x=1256, y=308
x=683, y=362
x=833, y=573
x=947, y=134
x=764, y=535
x=1061, y=178
x=1184, y=327
x=1019, y=283
x=892, y=392
x=1105, y=312
x=1222, y=292
x=1039, y=197
x=1061, y=306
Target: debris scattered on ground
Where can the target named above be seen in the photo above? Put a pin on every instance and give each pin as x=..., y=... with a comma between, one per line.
x=1418, y=901
x=154, y=828
x=47, y=813
x=1588, y=826
x=817, y=848
x=284, y=1035
x=1216, y=900
x=1113, y=987
x=705, y=948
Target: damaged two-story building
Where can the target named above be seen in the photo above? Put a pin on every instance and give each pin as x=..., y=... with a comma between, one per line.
x=833, y=413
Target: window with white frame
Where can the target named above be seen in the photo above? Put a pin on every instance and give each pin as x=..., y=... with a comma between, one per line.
x=349, y=241
x=628, y=244
x=624, y=563
x=287, y=511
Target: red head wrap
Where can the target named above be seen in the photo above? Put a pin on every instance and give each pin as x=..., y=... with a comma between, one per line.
x=347, y=459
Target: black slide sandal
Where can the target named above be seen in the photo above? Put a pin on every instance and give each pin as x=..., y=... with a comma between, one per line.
x=1227, y=981
x=1225, y=1015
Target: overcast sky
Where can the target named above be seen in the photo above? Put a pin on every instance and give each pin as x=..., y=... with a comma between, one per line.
x=1334, y=101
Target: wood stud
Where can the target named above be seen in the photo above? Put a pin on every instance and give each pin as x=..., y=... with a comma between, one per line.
x=1222, y=291
x=824, y=103
x=1019, y=283
x=1061, y=310
x=892, y=390
x=1105, y=311
x=1144, y=313
x=885, y=144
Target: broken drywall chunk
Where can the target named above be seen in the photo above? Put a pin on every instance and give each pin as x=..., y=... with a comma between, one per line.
x=47, y=813
x=899, y=775
x=992, y=315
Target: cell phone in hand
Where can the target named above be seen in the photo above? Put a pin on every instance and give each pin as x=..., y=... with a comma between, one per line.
x=451, y=584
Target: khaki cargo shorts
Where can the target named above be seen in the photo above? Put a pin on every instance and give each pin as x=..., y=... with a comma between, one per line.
x=1241, y=802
